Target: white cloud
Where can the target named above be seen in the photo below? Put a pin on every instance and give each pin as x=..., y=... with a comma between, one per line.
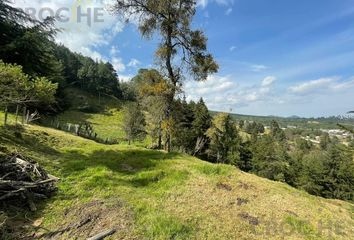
x=80, y=36
x=224, y=2
x=204, y=3
x=134, y=63
x=118, y=64
x=212, y=86
x=228, y=11
x=223, y=93
x=314, y=85
x=258, y=68
x=117, y=27
x=343, y=85
x=125, y=78
x=268, y=81
x=232, y=48
x=114, y=51
x=86, y=51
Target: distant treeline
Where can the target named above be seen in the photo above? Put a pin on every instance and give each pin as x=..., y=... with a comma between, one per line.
x=300, y=122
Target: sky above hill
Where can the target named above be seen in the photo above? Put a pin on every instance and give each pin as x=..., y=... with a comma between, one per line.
x=276, y=57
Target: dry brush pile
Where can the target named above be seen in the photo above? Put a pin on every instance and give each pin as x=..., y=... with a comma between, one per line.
x=22, y=180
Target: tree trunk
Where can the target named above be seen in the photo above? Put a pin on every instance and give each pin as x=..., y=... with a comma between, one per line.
x=159, y=144
x=6, y=113
x=17, y=109
x=173, y=80
x=23, y=115
x=27, y=116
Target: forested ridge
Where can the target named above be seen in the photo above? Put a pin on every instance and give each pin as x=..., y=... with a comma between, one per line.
x=36, y=75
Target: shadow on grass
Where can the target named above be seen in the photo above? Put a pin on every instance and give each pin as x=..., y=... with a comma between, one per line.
x=16, y=136
x=123, y=161
x=103, y=172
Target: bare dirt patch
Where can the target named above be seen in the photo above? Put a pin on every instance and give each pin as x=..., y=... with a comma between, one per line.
x=251, y=220
x=246, y=186
x=242, y=201
x=224, y=186
x=91, y=219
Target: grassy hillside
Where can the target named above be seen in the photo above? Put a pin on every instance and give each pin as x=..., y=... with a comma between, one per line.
x=105, y=113
x=147, y=194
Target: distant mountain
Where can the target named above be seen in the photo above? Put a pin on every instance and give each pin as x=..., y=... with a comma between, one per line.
x=294, y=117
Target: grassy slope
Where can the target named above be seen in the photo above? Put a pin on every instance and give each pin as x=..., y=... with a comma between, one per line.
x=107, y=122
x=153, y=195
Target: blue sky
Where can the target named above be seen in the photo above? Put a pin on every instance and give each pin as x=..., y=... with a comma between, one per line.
x=276, y=57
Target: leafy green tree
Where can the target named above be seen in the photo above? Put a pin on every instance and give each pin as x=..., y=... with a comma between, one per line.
x=328, y=173
x=43, y=93
x=71, y=65
x=151, y=90
x=14, y=87
x=14, y=84
x=276, y=131
x=181, y=49
x=88, y=74
x=313, y=171
x=202, y=119
x=200, y=125
x=17, y=88
x=245, y=162
x=254, y=128
x=133, y=122
x=241, y=124
x=127, y=91
x=339, y=177
x=260, y=128
x=325, y=140
x=303, y=145
x=224, y=139
x=270, y=158
x=183, y=135
x=28, y=43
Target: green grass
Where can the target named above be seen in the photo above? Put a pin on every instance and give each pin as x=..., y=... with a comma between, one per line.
x=105, y=114
x=150, y=194
x=302, y=227
x=106, y=125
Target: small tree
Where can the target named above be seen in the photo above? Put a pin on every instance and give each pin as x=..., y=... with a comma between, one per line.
x=133, y=122
x=224, y=139
x=43, y=93
x=202, y=122
x=152, y=91
x=270, y=158
x=16, y=88
x=276, y=131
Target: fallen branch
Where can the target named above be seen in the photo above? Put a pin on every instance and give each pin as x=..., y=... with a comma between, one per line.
x=24, y=180
x=102, y=235
x=66, y=229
